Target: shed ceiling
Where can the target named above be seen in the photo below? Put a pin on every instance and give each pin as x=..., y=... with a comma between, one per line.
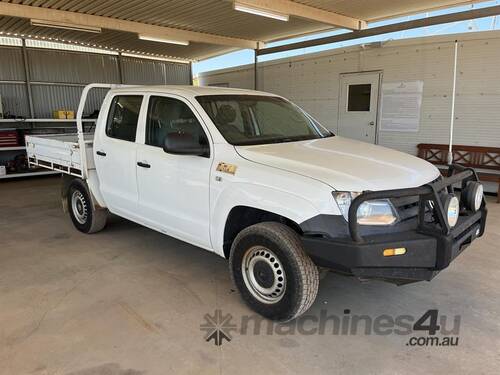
x=209, y=19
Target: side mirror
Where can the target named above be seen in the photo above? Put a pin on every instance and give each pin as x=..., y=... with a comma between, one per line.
x=183, y=143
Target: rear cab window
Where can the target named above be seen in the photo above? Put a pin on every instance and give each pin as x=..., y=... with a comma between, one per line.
x=123, y=117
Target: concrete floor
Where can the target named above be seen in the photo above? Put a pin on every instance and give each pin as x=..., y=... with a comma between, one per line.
x=130, y=301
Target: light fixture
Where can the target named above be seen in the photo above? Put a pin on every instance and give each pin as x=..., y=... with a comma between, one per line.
x=393, y=252
x=260, y=12
x=65, y=26
x=162, y=40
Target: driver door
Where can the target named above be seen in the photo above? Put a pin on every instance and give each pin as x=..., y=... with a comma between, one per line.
x=173, y=189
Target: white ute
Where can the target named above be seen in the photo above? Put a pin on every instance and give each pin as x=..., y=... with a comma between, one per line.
x=255, y=179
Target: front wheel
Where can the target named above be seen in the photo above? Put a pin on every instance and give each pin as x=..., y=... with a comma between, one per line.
x=273, y=273
x=83, y=214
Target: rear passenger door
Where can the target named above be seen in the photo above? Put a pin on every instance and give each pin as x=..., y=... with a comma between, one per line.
x=173, y=189
x=115, y=155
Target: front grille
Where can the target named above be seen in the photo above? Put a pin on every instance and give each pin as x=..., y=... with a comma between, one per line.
x=406, y=207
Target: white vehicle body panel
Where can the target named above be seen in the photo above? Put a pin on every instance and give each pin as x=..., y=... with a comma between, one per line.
x=116, y=168
x=174, y=192
x=345, y=164
x=61, y=149
x=188, y=198
x=295, y=197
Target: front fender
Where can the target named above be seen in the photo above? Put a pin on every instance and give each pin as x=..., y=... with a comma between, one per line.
x=283, y=203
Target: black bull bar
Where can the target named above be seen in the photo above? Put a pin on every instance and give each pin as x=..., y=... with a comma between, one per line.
x=429, y=196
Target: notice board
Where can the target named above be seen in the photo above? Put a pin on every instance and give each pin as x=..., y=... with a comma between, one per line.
x=401, y=104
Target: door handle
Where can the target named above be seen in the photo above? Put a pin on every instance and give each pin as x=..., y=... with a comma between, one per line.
x=101, y=153
x=371, y=123
x=143, y=165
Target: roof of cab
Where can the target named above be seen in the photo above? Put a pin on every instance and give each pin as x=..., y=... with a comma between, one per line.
x=189, y=90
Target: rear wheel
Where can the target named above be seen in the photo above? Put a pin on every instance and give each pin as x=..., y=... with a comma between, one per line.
x=83, y=214
x=273, y=273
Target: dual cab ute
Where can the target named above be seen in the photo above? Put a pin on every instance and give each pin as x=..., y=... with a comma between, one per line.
x=253, y=178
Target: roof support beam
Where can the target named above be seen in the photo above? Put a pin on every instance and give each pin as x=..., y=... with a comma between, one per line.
x=46, y=14
x=430, y=21
x=304, y=11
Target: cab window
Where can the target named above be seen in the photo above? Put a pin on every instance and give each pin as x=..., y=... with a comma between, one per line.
x=169, y=115
x=123, y=116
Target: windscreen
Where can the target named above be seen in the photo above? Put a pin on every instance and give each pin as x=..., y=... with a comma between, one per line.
x=253, y=119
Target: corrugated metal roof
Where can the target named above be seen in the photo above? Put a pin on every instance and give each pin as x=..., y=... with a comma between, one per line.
x=215, y=17
x=376, y=10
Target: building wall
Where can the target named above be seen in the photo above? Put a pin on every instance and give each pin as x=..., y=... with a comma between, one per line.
x=57, y=77
x=312, y=81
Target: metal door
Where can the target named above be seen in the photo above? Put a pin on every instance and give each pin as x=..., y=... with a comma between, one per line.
x=358, y=106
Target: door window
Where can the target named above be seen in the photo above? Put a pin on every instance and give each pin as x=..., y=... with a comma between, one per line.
x=358, y=97
x=123, y=116
x=168, y=115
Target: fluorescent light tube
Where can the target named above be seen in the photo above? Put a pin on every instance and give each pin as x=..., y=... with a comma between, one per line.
x=65, y=26
x=260, y=12
x=162, y=40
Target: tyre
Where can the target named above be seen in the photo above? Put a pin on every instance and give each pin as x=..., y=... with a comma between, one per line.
x=272, y=272
x=84, y=216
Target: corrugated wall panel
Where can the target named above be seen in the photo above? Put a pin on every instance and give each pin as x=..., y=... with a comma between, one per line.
x=177, y=74
x=11, y=64
x=72, y=67
x=14, y=99
x=56, y=66
x=142, y=72
x=48, y=98
x=151, y=72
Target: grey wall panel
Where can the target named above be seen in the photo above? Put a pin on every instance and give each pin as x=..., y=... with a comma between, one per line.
x=11, y=64
x=150, y=72
x=14, y=99
x=72, y=67
x=94, y=100
x=48, y=98
x=145, y=72
x=177, y=74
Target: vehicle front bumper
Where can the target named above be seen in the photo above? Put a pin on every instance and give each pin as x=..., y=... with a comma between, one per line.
x=430, y=247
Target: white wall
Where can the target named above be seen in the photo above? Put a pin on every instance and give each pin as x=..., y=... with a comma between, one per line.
x=312, y=81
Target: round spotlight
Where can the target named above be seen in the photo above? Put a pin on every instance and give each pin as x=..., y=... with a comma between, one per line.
x=473, y=195
x=451, y=206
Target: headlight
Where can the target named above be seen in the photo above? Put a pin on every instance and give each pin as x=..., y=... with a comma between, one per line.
x=344, y=199
x=473, y=195
x=451, y=206
x=374, y=212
